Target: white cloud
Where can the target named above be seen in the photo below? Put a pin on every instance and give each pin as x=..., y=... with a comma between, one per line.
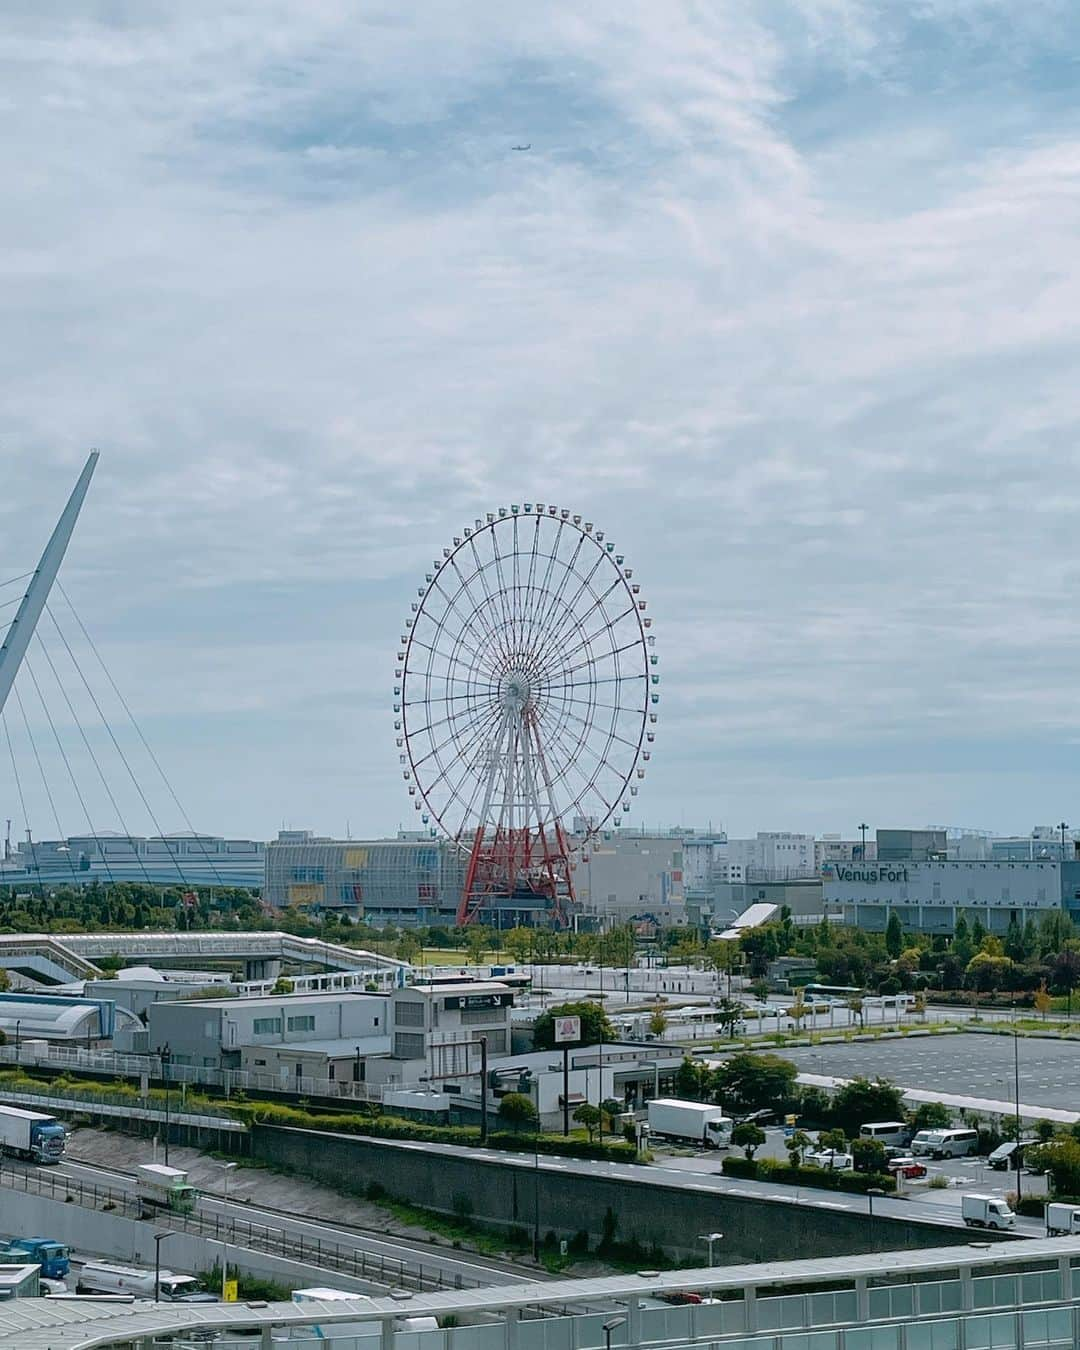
x=799, y=335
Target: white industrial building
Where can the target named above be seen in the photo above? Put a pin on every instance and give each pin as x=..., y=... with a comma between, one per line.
x=928, y=895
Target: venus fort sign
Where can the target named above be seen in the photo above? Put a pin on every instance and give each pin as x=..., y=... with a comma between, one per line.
x=872, y=875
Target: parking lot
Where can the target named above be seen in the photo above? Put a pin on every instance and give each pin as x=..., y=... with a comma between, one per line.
x=964, y=1065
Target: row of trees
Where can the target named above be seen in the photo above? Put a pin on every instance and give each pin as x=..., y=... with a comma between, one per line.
x=1032, y=956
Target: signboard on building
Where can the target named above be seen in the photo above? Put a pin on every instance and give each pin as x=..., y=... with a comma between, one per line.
x=567, y=1030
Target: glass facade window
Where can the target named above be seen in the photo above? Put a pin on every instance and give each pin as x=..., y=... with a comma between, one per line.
x=267, y=1026
x=301, y=1023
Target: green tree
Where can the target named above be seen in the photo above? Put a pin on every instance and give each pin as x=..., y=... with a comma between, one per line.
x=1061, y=1159
x=962, y=946
x=861, y=1101
x=931, y=1116
x=282, y=985
x=1014, y=940
x=595, y=1025
x=760, y=990
x=729, y=1013
x=894, y=935
x=749, y=1137
x=835, y=1139
x=751, y=1082
x=986, y=972
x=517, y=1111
x=868, y=1155
x=658, y=1021
x=407, y=947
x=796, y=1144
x=692, y=1080
x=589, y=1116
x=477, y=942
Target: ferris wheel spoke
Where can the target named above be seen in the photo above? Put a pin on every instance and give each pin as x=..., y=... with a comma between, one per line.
x=593, y=726
x=497, y=635
x=438, y=722
x=579, y=622
x=544, y=631
x=489, y=630
x=470, y=622
x=436, y=751
x=569, y=606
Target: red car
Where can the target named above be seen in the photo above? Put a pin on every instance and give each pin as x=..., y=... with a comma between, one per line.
x=907, y=1167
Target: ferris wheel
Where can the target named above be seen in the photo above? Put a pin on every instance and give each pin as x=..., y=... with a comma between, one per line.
x=525, y=699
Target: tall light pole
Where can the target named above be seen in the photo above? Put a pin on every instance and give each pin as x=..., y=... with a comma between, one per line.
x=870, y=1194
x=710, y=1238
x=165, y=1055
x=159, y=1238
x=1063, y=827
x=18, y=1024
x=1016, y=1085
x=862, y=830
x=226, y=1168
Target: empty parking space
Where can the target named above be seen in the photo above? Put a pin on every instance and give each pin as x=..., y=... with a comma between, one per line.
x=965, y=1065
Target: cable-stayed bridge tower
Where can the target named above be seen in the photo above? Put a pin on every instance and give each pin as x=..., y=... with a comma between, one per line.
x=18, y=636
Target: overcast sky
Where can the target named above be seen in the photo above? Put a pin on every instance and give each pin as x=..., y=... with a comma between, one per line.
x=783, y=296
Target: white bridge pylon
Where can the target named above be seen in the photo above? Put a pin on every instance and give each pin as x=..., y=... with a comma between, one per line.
x=37, y=593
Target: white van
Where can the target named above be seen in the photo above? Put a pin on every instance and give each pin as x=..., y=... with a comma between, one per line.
x=945, y=1143
x=891, y=1133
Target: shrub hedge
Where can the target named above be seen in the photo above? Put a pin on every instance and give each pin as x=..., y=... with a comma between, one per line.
x=395, y=1127
x=768, y=1169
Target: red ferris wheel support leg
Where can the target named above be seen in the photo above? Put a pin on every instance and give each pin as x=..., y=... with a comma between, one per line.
x=517, y=863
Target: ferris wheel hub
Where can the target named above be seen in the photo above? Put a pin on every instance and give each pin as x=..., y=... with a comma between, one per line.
x=516, y=691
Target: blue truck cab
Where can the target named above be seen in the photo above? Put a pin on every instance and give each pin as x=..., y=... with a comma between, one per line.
x=50, y=1255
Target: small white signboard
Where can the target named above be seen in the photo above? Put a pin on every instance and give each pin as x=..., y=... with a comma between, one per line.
x=567, y=1029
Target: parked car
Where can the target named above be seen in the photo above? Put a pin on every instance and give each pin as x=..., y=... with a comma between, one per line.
x=907, y=1167
x=832, y=1159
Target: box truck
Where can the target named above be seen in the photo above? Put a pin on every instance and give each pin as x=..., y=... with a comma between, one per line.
x=99, y=1277
x=160, y=1187
x=1062, y=1219
x=693, y=1122
x=986, y=1211
x=29, y=1134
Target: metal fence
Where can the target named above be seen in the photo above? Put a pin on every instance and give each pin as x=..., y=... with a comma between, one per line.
x=59, y=1057
x=244, y=1233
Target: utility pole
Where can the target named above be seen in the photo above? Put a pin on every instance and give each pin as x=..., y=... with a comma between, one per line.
x=862, y=830
x=483, y=1090
x=1063, y=827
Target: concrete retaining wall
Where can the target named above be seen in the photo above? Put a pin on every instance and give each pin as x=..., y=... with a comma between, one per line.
x=90, y=1232
x=502, y=1193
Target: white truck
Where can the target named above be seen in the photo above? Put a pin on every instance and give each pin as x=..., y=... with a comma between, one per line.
x=691, y=1122
x=99, y=1277
x=986, y=1211
x=1062, y=1219
x=160, y=1187
x=29, y=1134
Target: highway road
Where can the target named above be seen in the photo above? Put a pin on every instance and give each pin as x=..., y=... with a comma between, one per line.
x=472, y=1270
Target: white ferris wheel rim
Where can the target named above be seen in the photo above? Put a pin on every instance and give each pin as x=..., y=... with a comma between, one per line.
x=525, y=689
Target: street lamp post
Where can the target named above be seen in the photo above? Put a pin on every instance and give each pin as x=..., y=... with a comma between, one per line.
x=710, y=1239
x=159, y=1238
x=226, y=1168
x=1016, y=1085
x=862, y=830
x=536, y=1186
x=872, y=1192
x=356, y=1069
x=165, y=1055
x=18, y=1024
x=609, y=1327
x=1063, y=827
